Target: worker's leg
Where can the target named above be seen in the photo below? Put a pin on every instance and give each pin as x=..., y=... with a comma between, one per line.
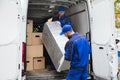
x=74, y=74
x=84, y=74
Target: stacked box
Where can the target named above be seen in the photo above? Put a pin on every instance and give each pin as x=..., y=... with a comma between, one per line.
x=29, y=39
x=35, y=45
x=35, y=59
x=29, y=62
x=34, y=39
x=37, y=39
x=30, y=26
x=39, y=63
x=35, y=51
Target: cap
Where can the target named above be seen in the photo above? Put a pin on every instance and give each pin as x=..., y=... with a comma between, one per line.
x=61, y=8
x=65, y=29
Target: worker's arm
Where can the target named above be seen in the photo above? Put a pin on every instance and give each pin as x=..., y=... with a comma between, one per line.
x=55, y=19
x=68, y=22
x=82, y=46
x=68, y=51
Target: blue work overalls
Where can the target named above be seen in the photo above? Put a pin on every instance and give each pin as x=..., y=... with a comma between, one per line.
x=63, y=20
x=77, y=51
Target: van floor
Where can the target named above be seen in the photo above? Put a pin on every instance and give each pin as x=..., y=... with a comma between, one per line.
x=46, y=74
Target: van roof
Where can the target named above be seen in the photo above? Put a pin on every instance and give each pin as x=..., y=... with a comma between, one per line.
x=44, y=9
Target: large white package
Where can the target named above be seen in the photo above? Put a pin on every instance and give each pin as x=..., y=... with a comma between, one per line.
x=55, y=44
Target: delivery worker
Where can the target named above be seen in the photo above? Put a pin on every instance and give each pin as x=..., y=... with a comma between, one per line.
x=77, y=51
x=61, y=18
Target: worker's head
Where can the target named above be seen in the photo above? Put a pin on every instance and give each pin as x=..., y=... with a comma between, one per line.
x=67, y=30
x=61, y=10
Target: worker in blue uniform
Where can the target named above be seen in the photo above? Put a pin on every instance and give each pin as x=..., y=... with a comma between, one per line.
x=61, y=18
x=77, y=51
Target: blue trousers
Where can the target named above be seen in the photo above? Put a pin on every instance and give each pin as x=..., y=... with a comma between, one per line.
x=77, y=74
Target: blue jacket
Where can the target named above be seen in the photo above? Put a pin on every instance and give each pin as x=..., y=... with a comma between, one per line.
x=63, y=20
x=77, y=50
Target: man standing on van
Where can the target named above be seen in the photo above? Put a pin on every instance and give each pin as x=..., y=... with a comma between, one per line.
x=77, y=51
x=61, y=18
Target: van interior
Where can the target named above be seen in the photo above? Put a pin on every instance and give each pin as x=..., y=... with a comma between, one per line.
x=40, y=11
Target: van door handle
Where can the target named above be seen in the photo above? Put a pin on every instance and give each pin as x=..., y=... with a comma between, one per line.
x=101, y=48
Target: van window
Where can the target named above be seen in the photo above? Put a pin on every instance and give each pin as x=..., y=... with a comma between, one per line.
x=8, y=22
x=101, y=15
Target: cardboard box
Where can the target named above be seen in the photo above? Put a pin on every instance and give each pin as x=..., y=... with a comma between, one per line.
x=29, y=39
x=29, y=62
x=35, y=51
x=36, y=38
x=39, y=63
x=30, y=26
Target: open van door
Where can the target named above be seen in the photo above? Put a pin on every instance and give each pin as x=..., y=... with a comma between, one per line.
x=104, y=54
x=24, y=6
x=10, y=45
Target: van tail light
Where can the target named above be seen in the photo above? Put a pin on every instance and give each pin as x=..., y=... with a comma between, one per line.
x=23, y=58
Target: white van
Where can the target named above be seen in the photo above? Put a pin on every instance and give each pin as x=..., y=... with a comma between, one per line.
x=94, y=18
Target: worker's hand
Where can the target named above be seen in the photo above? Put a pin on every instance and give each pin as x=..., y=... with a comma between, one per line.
x=58, y=22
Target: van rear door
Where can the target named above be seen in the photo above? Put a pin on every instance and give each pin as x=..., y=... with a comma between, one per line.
x=9, y=40
x=104, y=52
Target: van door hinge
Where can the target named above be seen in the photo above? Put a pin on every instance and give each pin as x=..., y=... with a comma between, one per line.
x=23, y=18
x=19, y=47
x=18, y=66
